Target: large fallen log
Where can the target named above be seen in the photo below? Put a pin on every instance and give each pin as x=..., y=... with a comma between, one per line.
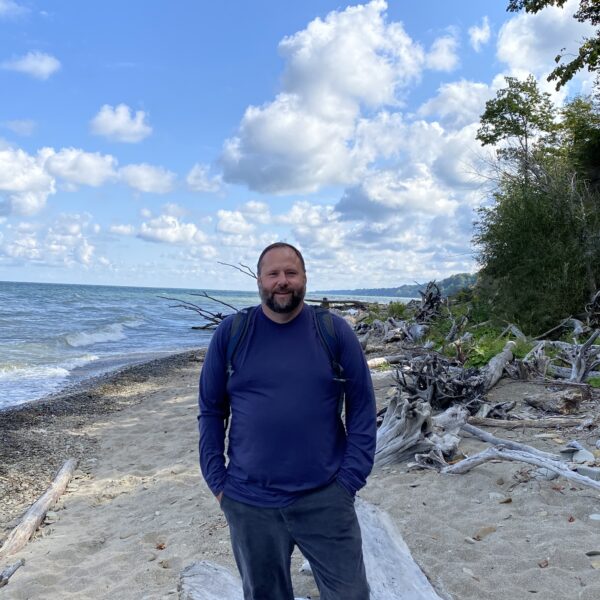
x=392, y=572
x=549, y=423
x=32, y=519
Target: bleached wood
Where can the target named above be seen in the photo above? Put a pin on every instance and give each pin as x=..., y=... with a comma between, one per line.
x=9, y=572
x=549, y=423
x=402, y=432
x=32, y=519
x=494, y=369
x=484, y=436
x=499, y=453
x=391, y=570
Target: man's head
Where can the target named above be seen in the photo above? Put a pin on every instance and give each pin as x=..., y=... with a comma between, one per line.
x=281, y=277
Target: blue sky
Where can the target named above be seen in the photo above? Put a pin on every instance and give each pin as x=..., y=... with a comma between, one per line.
x=143, y=142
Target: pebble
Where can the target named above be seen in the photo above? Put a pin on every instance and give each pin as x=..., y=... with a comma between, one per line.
x=583, y=456
x=51, y=517
x=151, y=557
x=470, y=540
x=595, y=517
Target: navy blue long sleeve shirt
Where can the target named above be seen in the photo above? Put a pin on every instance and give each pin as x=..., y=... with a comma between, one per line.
x=286, y=436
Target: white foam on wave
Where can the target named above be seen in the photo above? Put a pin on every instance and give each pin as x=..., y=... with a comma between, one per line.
x=110, y=333
x=80, y=361
x=32, y=372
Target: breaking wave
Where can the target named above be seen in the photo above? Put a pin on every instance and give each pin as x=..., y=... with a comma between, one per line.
x=110, y=333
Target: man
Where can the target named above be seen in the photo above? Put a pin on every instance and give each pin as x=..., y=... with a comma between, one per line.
x=293, y=468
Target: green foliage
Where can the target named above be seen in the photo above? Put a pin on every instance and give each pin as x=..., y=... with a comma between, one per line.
x=594, y=382
x=518, y=113
x=588, y=55
x=487, y=344
x=539, y=241
x=580, y=137
x=397, y=310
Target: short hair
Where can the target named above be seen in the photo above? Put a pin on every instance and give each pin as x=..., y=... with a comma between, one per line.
x=279, y=245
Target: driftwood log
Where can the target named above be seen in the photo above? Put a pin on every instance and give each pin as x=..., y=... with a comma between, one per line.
x=9, y=572
x=484, y=436
x=548, y=423
x=501, y=453
x=403, y=431
x=391, y=571
x=32, y=519
x=506, y=450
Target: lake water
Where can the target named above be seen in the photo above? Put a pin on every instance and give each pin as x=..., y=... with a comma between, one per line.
x=54, y=335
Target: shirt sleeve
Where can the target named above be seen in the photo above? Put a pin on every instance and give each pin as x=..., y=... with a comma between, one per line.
x=361, y=412
x=214, y=409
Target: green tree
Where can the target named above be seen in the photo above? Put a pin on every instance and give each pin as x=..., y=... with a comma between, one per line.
x=539, y=240
x=517, y=118
x=589, y=51
x=580, y=133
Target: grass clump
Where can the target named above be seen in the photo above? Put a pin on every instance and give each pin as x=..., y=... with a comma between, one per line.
x=594, y=382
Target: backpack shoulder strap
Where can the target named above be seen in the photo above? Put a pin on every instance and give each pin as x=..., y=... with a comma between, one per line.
x=329, y=339
x=239, y=328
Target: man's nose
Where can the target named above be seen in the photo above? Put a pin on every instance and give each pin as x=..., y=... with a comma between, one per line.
x=282, y=279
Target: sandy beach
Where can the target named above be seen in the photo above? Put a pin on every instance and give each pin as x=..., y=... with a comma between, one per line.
x=137, y=511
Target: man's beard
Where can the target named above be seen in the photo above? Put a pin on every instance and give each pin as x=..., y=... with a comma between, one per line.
x=291, y=303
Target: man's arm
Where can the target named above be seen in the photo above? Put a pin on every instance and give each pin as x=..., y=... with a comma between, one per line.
x=213, y=405
x=361, y=412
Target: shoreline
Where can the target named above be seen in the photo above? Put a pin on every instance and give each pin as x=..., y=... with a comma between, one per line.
x=37, y=436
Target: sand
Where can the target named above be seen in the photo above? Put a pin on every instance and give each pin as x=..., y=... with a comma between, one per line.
x=138, y=511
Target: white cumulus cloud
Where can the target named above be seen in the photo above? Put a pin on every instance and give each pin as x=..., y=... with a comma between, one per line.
x=63, y=243
x=257, y=212
x=24, y=182
x=170, y=230
x=79, y=167
x=36, y=64
x=233, y=222
x=351, y=61
x=199, y=179
x=458, y=103
x=121, y=124
x=148, y=178
x=479, y=35
x=443, y=55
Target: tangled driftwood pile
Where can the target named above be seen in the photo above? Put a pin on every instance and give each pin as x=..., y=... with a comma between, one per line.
x=428, y=381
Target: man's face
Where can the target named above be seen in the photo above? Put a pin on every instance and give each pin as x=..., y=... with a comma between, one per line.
x=282, y=281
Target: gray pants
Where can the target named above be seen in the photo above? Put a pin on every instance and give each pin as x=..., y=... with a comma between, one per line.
x=322, y=524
